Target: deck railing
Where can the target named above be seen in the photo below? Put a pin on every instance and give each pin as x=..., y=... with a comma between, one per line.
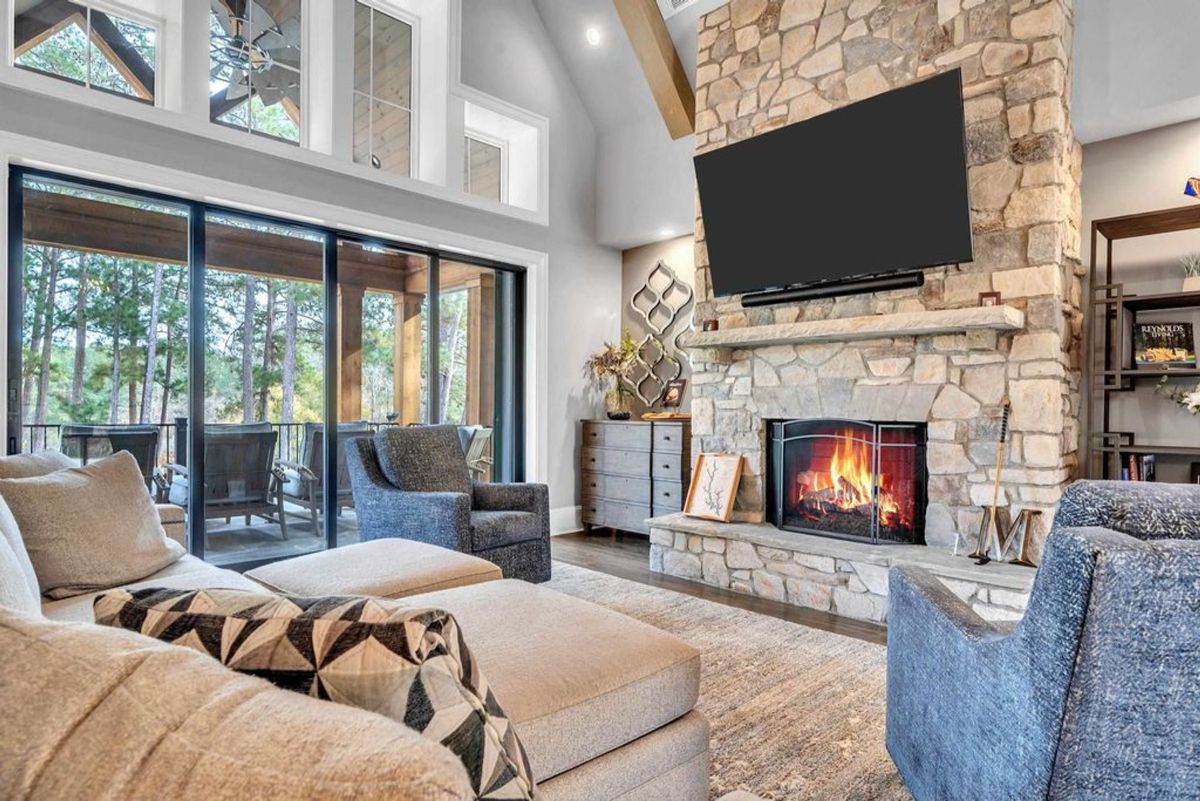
x=289, y=444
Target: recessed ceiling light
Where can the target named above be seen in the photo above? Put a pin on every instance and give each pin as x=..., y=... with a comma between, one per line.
x=593, y=37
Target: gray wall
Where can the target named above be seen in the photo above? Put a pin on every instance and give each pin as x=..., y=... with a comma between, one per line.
x=1145, y=172
x=507, y=53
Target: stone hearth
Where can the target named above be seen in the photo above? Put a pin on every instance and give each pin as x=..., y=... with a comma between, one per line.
x=830, y=575
x=927, y=355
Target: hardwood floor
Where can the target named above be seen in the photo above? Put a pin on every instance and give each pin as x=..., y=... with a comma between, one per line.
x=627, y=556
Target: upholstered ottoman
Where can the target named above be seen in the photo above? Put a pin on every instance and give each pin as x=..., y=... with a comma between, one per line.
x=603, y=703
x=387, y=568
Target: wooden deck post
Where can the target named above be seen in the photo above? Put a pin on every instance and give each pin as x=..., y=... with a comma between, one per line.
x=350, y=308
x=407, y=345
x=481, y=350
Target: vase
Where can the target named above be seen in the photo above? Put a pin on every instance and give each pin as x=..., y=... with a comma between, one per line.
x=1191, y=283
x=618, y=405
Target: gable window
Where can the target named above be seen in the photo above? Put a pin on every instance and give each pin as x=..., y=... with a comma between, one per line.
x=254, y=62
x=88, y=47
x=484, y=168
x=383, y=90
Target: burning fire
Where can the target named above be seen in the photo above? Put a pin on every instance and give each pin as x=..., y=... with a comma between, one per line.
x=847, y=485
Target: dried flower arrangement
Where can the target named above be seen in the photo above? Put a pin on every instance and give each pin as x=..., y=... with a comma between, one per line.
x=610, y=367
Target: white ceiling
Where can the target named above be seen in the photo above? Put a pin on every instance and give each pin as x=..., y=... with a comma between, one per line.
x=1137, y=66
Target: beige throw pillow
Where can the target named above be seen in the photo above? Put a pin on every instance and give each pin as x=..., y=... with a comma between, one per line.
x=90, y=528
x=40, y=463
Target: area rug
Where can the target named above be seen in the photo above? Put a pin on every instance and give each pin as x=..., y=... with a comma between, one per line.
x=796, y=713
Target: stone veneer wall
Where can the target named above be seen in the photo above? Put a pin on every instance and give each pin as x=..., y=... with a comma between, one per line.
x=768, y=63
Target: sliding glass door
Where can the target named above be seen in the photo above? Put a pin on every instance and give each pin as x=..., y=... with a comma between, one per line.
x=240, y=353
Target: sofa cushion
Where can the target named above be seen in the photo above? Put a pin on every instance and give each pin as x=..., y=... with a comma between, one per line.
x=104, y=713
x=90, y=528
x=386, y=568
x=408, y=663
x=38, y=463
x=10, y=533
x=497, y=529
x=423, y=459
x=189, y=573
x=577, y=680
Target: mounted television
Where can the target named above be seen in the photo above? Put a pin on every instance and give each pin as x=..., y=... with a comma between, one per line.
x=876, y=187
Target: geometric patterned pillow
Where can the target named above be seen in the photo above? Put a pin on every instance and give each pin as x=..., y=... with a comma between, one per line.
x=410, y=664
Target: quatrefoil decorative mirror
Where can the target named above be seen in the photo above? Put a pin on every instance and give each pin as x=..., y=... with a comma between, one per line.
x=660, y=303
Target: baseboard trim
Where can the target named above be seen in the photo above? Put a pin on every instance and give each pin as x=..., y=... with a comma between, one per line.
x=565, y=520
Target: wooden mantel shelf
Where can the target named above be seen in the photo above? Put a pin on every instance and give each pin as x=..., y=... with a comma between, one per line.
x=903, y=324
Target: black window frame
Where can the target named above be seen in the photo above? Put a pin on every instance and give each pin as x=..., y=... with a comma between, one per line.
x=508, y=437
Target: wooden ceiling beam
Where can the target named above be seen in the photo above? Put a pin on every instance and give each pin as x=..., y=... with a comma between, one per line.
x=660, y=63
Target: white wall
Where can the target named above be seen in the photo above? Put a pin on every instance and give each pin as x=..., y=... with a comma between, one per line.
x=646, y=185
x=505, y=52
x=1132, y=174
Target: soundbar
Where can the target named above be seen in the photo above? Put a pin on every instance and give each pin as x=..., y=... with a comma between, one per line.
x=832, y=289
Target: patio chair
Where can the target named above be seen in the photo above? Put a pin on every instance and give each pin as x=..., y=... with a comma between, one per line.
x=240, y=474
x=304, y=483
x=87, y=443
x=478, y=448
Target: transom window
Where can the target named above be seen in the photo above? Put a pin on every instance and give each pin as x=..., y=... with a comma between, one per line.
x=254, y=62
x=86, y=46
x=484, y=169
x=383, y=90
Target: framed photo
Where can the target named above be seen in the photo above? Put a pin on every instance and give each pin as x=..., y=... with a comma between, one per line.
x=673, y=394
x=714, y=486
x=989, y=299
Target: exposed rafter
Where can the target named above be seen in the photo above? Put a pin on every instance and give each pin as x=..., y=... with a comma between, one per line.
x=664, y=71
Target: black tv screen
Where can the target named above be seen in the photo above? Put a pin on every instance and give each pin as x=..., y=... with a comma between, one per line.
x=875, y=187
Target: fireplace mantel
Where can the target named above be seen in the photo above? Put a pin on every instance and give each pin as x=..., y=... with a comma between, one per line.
x=902, y=324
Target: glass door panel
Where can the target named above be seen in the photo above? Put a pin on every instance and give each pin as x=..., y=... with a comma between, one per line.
x=264, y=389
x=383, y=364
x=102, y=360
x=474, y=346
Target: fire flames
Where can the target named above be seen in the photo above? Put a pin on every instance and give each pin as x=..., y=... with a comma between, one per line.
x=846, y=486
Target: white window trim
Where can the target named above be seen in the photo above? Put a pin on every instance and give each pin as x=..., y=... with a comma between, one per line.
x=500, y=145
x=414, y=120
x=18, y=150
x=133, y=15
x=177, y=115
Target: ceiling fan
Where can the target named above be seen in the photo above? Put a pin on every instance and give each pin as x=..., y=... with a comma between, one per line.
x=255, y=52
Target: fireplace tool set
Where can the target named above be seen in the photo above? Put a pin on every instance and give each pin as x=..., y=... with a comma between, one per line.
x=991, y=540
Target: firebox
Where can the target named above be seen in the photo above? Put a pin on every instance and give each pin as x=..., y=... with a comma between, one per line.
x=848, y=478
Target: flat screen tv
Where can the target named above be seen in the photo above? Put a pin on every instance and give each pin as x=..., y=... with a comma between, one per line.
x=875, y=187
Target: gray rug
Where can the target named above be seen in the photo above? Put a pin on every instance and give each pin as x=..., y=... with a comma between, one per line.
x=796, y=713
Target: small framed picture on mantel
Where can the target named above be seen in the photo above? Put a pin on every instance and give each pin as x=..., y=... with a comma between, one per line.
x=714, y=486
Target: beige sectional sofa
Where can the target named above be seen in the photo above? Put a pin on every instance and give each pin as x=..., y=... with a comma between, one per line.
x=604, y=704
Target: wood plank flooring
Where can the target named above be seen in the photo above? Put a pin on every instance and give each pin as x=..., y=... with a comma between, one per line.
x=627, y=556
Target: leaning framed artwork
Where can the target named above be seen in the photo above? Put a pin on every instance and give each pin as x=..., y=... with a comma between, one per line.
x=715, y=480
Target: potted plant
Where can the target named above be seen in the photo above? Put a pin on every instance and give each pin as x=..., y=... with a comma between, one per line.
x=1191, y=272
x=610, y=368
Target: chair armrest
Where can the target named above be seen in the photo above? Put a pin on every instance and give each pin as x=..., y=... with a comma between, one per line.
x=175, y=468
x=303, y=470
x=533, y=498
x=1144, y=510
x=172, y=519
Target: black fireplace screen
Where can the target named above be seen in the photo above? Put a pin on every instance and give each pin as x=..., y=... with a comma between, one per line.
x=846, y=478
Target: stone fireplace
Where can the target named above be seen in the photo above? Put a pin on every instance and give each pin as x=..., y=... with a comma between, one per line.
x=931, y=356
x=847, y=478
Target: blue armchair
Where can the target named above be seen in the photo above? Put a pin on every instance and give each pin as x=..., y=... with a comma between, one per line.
x=1094, y=694
x=414, y=483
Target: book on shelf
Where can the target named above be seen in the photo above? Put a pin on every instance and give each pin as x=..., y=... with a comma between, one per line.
x=1169, y=346
x=1139, y=468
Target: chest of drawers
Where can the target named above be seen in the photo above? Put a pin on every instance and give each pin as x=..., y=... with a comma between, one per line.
x=633, y=470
